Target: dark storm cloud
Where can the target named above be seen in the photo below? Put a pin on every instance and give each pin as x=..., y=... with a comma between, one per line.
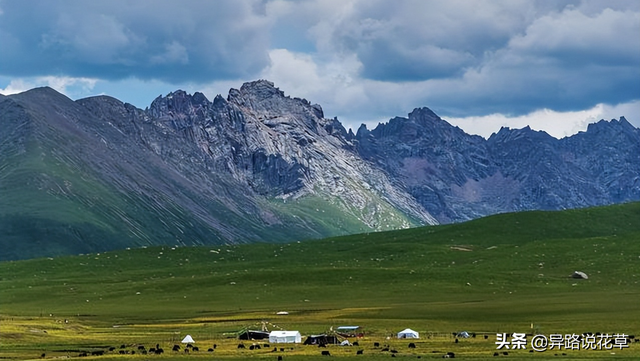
x=482, y=57
x=166, y=40
x=421, y=40
x=363, y=59
x=564, y=61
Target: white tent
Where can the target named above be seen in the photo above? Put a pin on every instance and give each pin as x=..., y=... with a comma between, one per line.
x=188, y=339
x=408, y=333
x=285, y=337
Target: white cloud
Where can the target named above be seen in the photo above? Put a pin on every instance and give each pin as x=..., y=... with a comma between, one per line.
x=557, y=124
x=331, y=83
x=65, y=85
x=16, y=86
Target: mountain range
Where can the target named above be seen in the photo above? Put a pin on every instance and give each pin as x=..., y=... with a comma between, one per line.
x=97, y=174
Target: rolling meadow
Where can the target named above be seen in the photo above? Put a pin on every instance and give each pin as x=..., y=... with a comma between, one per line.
x=508, y=273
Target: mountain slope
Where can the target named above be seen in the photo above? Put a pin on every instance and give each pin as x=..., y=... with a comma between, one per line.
x=259, y=166
x=457, y=176
x=98, y=174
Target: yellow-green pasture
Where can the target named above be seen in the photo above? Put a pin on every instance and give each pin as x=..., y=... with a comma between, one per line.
x=503, y=274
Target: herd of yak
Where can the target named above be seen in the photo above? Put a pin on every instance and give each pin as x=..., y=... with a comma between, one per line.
x=157, y=350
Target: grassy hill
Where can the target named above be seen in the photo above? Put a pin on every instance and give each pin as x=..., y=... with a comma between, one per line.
x=73, y=182
x=505, y=273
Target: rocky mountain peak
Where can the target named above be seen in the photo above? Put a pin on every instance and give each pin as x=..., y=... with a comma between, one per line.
x=506, y=134
x=264, y=97
x=424, y=114
x=260, y=165
x=179, y=108
x=612, y=128
x=261, y=90
x=422, y=124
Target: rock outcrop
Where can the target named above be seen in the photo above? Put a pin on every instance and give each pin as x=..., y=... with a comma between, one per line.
x=258, y=165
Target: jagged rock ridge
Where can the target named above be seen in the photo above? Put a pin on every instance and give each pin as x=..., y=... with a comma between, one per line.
x=99, y=174
x=457, y=176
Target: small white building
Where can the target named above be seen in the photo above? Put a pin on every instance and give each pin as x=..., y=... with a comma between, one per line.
x=408, y=333
x=285, y=337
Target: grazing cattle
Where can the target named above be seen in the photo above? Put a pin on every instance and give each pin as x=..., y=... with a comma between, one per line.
x=355, y=343
x=112, y=348
x=279, y=358
x=281, y=349
x=394, y=351
x=486, y=337
x=326, y=353
x=152, y=350
x=43, y=355
x=451, y=354
x=241, y=345
x=360, y=352
x=97, y=353
x=505, y=353
x=456, y=340
x=497, y=354
x=141, y=347
x=123, y=346
x=376, y=344
x=266, y=345
x=159, y=351
x=210, y=349
x=176, y=348
x=251, y=347
x=322, y=345
x=83, y=354
x=186, y=350
x=385, y=349
x=122, y=352
x=195, y=348
x=412, y=345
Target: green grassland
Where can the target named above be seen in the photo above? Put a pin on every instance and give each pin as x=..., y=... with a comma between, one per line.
x=501, y=274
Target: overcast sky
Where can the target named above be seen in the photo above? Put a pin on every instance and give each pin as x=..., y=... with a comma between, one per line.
x=553, y=65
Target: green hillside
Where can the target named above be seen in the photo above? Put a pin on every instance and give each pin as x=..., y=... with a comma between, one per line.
x=504, y=273
x=86, y=176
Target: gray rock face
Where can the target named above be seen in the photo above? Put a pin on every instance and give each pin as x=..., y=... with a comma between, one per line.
x=458, y=177
x=98, y=174
x=275, y=146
